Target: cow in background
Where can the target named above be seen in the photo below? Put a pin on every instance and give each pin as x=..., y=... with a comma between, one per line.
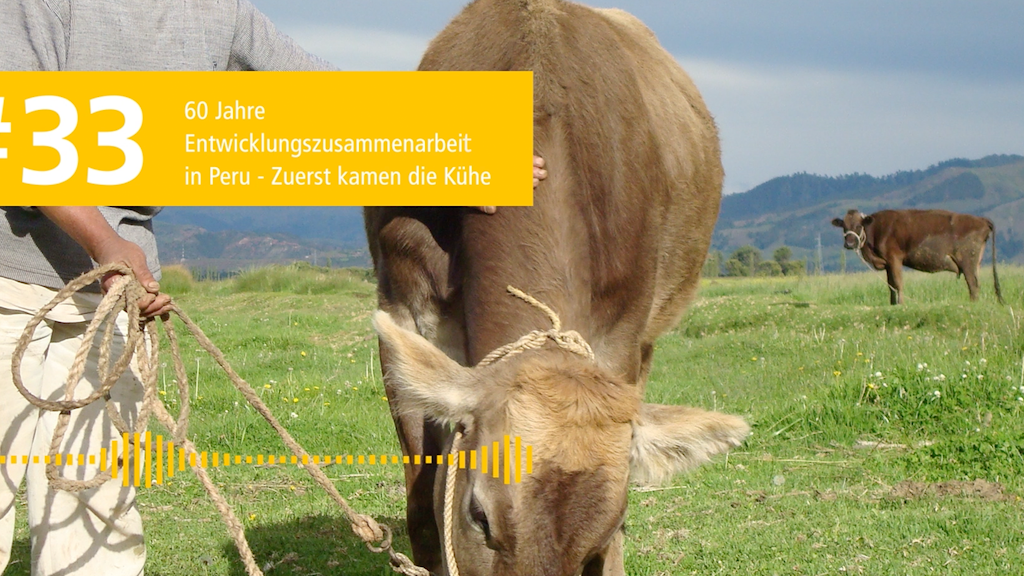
x=925, y=240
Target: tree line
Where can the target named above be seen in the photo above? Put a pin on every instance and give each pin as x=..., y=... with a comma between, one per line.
x=747, y=261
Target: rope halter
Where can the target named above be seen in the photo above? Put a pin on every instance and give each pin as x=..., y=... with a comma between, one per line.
x=570, y=340
x=861, y=238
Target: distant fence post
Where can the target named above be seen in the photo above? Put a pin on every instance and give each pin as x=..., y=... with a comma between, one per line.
x=817, y=259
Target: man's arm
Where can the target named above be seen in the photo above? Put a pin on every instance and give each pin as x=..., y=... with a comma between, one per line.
x=87, y=226
x=259, y=46
x=32, y=34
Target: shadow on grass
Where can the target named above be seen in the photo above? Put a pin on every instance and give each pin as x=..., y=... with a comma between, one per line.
x=322, y=545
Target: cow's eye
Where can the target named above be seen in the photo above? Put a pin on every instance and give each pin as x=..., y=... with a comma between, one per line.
x=476, y=512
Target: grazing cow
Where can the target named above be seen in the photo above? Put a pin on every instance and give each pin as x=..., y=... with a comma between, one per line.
x=925, y=240
x=614, y=244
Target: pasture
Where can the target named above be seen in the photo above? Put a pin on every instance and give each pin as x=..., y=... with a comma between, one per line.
x=886, y=440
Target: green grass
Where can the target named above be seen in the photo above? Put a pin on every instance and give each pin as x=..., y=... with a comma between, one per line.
x=839, y=386
x=302, y=278
x=176, y=280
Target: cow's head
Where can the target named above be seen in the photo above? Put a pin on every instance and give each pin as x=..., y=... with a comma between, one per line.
x=853, y=228
x=589, y=434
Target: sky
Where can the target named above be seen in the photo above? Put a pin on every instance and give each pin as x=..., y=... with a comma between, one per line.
x=828, y=87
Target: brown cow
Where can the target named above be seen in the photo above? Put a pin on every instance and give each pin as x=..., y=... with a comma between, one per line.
x=614, y=244
x=925, y=240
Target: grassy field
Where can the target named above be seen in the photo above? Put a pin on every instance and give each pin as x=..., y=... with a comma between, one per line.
x=887, y=440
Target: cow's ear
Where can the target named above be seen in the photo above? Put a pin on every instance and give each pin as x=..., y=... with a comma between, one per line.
x=423, y=378
x=838, y=222
x=867, y=220
x=672, y=439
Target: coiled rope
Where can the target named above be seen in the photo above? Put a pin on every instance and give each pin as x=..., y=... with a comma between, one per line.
x=142, y=342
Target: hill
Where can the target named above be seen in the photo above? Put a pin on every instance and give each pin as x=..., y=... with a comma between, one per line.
x=222, y=251
x=794, y=210
x=342, y=225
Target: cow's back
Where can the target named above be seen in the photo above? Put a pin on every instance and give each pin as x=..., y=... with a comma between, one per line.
x=911, y=227
x=619, y=230
x=929, y=240
x=689, y=152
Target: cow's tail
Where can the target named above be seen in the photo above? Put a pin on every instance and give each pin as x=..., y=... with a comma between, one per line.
x=995, y=276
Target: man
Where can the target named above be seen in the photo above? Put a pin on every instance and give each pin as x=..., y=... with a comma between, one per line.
x=97, y=531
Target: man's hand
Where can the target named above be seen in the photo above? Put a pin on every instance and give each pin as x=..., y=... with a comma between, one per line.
x=117, y=249
x=539, y=173
x=87, y=226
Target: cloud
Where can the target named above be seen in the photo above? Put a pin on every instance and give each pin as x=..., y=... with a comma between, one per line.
x=784, y=119
x=975, y=39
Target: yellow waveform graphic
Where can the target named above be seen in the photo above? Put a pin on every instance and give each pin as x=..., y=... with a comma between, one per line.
x=138, y=460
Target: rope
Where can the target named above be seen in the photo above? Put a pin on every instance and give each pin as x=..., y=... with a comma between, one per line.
x=142, y=343
x=569, y=340
x=449, y=511
x=861, y=238
x=106, y=312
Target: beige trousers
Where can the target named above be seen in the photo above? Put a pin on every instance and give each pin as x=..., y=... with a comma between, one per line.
x=94, y=532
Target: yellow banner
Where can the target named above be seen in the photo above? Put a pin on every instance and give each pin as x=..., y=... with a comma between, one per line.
x=266, y=138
